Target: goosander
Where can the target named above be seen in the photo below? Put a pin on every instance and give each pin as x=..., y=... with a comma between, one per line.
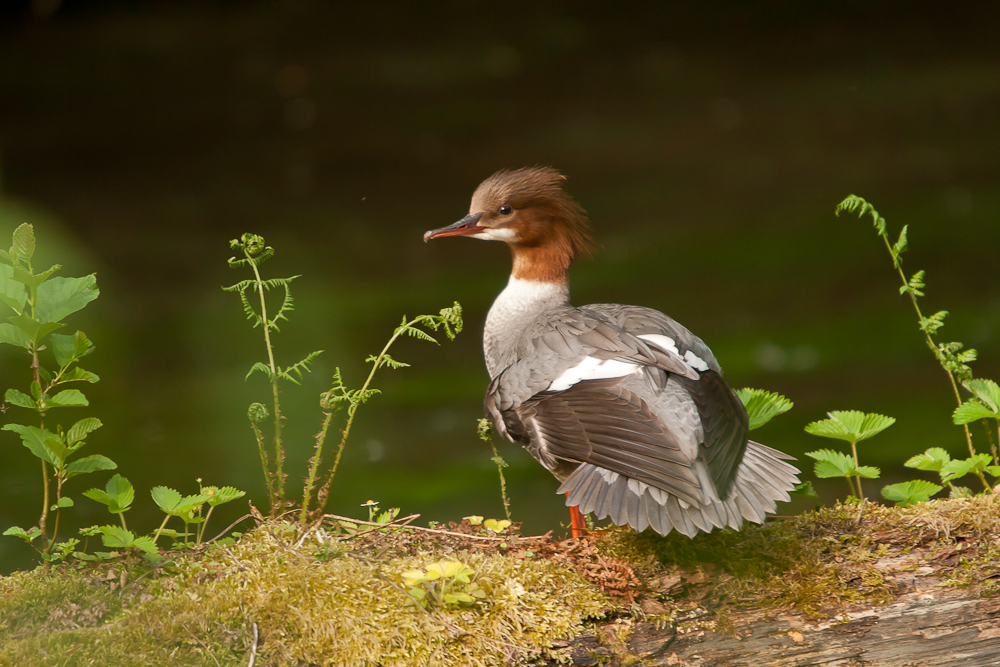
x=626, y=407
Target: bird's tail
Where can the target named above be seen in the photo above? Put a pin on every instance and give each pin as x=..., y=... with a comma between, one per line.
x=762, y=479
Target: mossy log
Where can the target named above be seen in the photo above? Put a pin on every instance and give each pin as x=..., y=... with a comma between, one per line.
x=941, y=627
x=843, y=586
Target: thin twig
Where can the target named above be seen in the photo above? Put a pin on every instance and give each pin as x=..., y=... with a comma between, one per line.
x=438, y=531
x=253, y=649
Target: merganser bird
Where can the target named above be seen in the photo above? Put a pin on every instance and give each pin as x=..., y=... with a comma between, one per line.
x=626, y=407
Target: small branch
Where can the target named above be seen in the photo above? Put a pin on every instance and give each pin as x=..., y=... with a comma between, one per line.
x=253, y=649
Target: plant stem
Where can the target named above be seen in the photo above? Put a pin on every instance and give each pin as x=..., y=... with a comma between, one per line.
x=353, y=408
x=314, y=465
x=930, y=343
x=160, y=529
x=279, y=454
x=271, y=498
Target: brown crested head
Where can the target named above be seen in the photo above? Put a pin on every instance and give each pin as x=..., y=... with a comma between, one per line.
x=528, y=208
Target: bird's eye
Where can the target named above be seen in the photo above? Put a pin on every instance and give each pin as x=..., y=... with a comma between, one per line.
x=505, y=210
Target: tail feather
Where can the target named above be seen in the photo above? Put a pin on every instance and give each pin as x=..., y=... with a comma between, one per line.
x=762, y=479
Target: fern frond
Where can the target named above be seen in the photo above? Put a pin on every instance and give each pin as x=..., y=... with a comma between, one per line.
x=249, y=311
x=260, y=367
x=854, y=203
x=417, y=333
x=298, y=368
x=239, y=287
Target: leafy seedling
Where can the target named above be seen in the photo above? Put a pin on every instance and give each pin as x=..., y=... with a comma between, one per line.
x=444, y=584
x=118, y=495
x=852, y=426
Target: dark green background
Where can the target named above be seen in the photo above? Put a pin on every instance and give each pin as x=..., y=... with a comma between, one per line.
x=709, y=145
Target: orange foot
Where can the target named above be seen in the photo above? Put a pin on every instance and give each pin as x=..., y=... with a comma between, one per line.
x=577, y=522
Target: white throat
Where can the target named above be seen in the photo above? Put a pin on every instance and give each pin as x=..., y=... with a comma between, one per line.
x=514, y=309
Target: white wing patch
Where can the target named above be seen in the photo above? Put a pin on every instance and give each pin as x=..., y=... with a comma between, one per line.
x=694, y=361
x=592, y=369
x=665, y=343
x=668, y=344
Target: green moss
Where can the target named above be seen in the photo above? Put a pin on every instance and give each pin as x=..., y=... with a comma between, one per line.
x=344, y=611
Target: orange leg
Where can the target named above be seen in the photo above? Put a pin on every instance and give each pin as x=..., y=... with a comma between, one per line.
x=577, y=522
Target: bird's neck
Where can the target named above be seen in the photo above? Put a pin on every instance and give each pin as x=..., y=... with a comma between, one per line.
x=513, y=311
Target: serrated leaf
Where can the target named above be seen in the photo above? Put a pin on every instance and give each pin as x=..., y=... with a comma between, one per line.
x=12, y=292
x=82, y=429
x=78, y=374
x=120, y=493
x=900, y=246
x=171, y=502
x=933, y=459
x=59, y=297
x=959, y=468
x=35, y=330
x=89, y=464
x=218, y=496
x=868, y=472
x=762, y=405
x=117, y=537
x=13, y=335
x=971, y=411
x=145, y=544
x=23, y=243
x=831, y=464
x=68, y=398
x=850, y=425
x=38, y=441
x=986, y=391
x=909, y=493
x=16, y=531
x=19, y=398
x=805, y=490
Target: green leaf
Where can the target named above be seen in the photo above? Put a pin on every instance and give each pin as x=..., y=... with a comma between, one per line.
x=23, y=241
x=68, y=398
x=34, y=329
x=971, y=411
x=77, y=374
x=60, y=297
x=145, y=544
x=933, y=459
x=959, y=468
x=868, y=472
x=63, y=348
x=905, y=494
x=118, y=494
x=19, y=398
x=117, y=537
x=851, y=425
x=90, y=464
x=39, y=442
x=805, y=490
x=832, y=464
x=900, y=246
x=835, y=464
x=12, y=292
x=986, y=391
x=63, y=502
x=171, y=502
x=763, y=405
x=13, y=335
x=217, y=496
x=82, y=429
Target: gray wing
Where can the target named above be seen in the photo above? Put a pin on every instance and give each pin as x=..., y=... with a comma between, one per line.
x=723, y=416
x=563, y=339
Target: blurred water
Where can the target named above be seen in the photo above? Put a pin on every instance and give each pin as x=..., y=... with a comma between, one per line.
x=710, y=147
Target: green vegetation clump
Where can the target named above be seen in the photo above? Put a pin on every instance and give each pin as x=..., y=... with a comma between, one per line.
x=304, y=606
